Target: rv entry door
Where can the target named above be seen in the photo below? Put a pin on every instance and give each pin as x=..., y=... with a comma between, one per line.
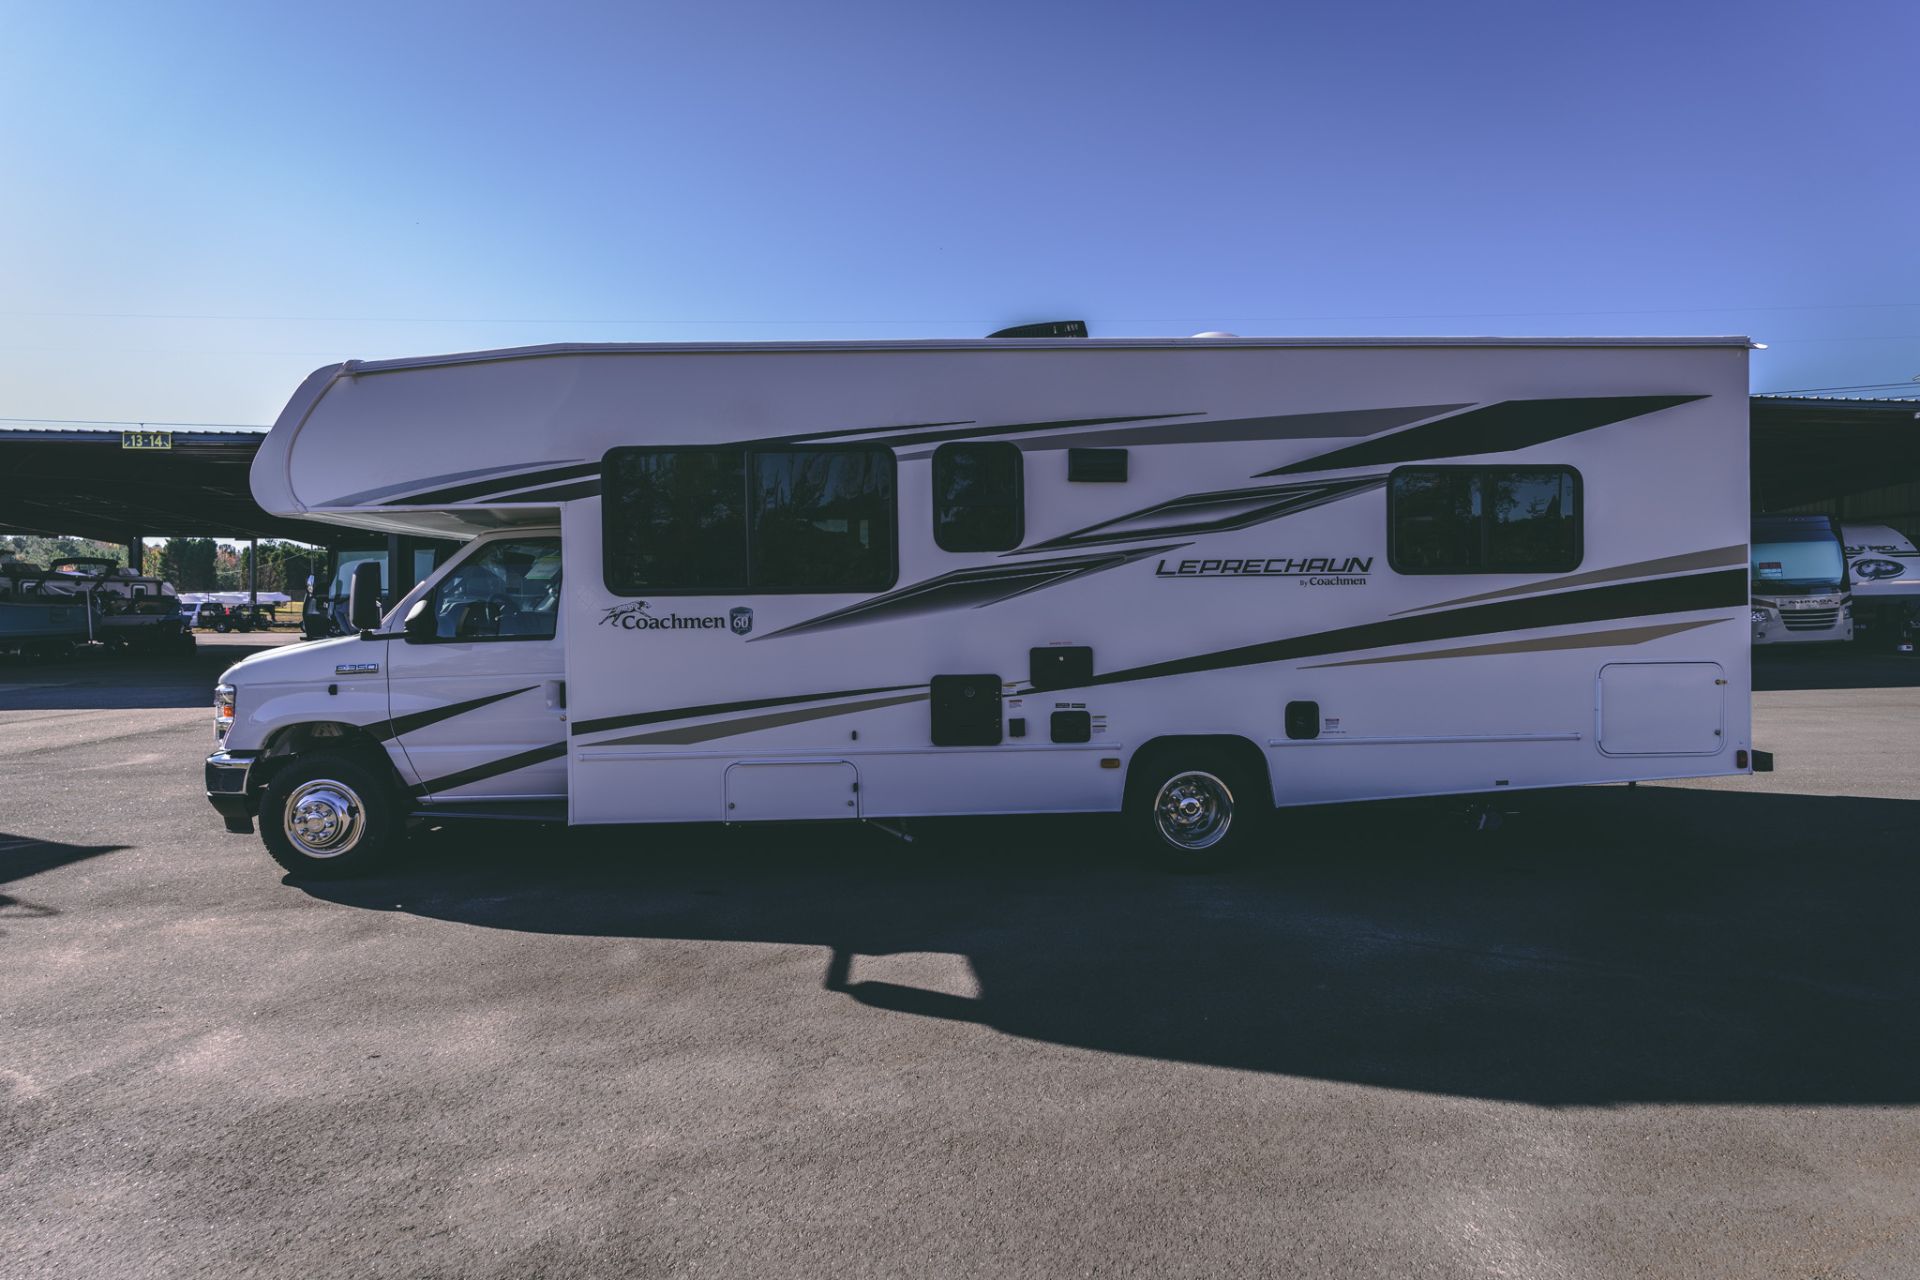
x=479, y=697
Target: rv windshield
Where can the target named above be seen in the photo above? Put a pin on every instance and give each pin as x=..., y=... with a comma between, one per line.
x=1798, y=564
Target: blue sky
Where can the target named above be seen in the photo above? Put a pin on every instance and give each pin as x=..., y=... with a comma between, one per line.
x=203, y=203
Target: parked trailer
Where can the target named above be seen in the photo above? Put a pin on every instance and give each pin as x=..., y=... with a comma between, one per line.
x=1195, y=581
x=1883, y=570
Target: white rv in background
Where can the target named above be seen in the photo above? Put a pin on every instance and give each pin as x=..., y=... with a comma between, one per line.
x=1196, y=581
x=1800, y=591
x=1883, y=568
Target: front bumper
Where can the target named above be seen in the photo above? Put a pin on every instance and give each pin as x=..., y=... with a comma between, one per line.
x=228, y=774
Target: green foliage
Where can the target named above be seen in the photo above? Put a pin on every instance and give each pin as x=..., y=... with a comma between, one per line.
x=190, y=564
x=35, y=549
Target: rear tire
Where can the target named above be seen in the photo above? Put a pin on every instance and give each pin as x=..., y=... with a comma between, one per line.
x=329, y=816
x=1196, y=810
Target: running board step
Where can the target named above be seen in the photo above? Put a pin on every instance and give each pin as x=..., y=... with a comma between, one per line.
x=551, y=811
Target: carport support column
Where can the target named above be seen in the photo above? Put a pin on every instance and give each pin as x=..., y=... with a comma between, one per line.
x=136, y=553
x=253, y=574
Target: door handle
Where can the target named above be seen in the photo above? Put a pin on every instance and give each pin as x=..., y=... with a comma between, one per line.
x=556, y=695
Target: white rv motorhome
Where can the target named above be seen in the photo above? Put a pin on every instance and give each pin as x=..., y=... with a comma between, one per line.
x=1800, y=593
x=1195, y=581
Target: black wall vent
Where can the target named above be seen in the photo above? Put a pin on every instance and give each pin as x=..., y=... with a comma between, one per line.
x=1303, y=720
x=1046, y=329
x=1060, y=666
x=1072, y=726
x=966, y=711
x=1097, y=466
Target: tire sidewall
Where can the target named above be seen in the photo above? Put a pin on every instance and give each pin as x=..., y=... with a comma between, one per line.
x=380, y=806
x=1251, y=809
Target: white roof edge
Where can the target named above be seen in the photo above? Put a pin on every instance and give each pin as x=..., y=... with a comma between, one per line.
x=355, y=368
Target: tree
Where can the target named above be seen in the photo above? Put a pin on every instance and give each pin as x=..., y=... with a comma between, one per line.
x=188, y=563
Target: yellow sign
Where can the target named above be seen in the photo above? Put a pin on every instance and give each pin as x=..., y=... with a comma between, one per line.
x=146, y=439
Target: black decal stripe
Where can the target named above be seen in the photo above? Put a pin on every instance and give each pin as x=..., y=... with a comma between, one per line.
x=964, y=433
x=721, y=708
x=1714, y=559
x=557, y=493
x=687, y=734
x=497, y=484
x=861, y=431
x=1494, y=428
x=507, y=472
x=492, y=769
x=1286, y=426
x=434, y=715
x=1599, y=604
x=968, y=588
x=1202, y=513
x=1537, y=644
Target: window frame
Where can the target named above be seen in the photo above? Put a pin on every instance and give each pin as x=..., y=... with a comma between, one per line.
x=1484, y=468
x=1019, y=503
x=480, y=548
x=747, y=450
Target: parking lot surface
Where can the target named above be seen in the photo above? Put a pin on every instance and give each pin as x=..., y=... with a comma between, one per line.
x=1660, y=1031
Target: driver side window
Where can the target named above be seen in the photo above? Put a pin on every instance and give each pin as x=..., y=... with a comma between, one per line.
x=508, y=590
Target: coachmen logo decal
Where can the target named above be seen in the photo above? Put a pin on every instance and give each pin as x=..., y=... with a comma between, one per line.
x=1309, y=571
x=635, y=615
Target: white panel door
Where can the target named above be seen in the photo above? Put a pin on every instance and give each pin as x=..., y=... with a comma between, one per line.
x=784, y=790
x=1662, y=708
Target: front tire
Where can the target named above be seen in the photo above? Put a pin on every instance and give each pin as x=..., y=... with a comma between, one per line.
x=328, y=816
x=1197, y=813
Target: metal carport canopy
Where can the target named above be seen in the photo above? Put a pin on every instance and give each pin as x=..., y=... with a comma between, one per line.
x=79, y=481
x=1811, y=449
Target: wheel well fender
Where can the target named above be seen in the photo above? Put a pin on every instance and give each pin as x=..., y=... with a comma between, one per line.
x=294, y=740
x=1246, y=758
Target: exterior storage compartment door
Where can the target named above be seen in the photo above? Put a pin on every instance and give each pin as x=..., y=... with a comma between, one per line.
x=789, y=790
x=1661, y=708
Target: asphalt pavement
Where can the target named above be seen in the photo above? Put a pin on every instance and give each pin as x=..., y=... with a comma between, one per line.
x=1656, y=1031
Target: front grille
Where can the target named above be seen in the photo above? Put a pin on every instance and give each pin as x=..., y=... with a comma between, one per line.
x=1810, y=619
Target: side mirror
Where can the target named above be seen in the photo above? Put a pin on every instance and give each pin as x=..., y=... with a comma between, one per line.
x=363, y=597
x=419, y=624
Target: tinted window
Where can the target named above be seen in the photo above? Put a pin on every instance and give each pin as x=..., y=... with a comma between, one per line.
x=506, y=590
x=977, y=500
x=822, y=520
x=699, y=520
x=1483, y=520
x=674, y=519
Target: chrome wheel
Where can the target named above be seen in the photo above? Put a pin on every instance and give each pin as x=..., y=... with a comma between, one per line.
x=324, y=818
x=1193, y=810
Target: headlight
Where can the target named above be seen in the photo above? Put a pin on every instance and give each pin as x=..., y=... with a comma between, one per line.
x=1759, y=619
x=222, y=711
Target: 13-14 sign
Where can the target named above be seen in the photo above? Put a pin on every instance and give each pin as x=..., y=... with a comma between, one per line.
x=146, y=439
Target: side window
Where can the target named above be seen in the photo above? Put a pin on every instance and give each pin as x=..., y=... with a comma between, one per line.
x=507, y=590
x=674, y=519
x=687, y=521
x=1484, y=520
x=978, y=503
x=822, y=520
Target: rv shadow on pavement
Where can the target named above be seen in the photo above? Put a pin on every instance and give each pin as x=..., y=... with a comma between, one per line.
x=1833, y=667
x=1610, y=946
x=24, y=856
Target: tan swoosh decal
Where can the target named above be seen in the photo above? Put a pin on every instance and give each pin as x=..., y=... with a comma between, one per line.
x=1583, y=640
x=748, y=724
x=1640, y=569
